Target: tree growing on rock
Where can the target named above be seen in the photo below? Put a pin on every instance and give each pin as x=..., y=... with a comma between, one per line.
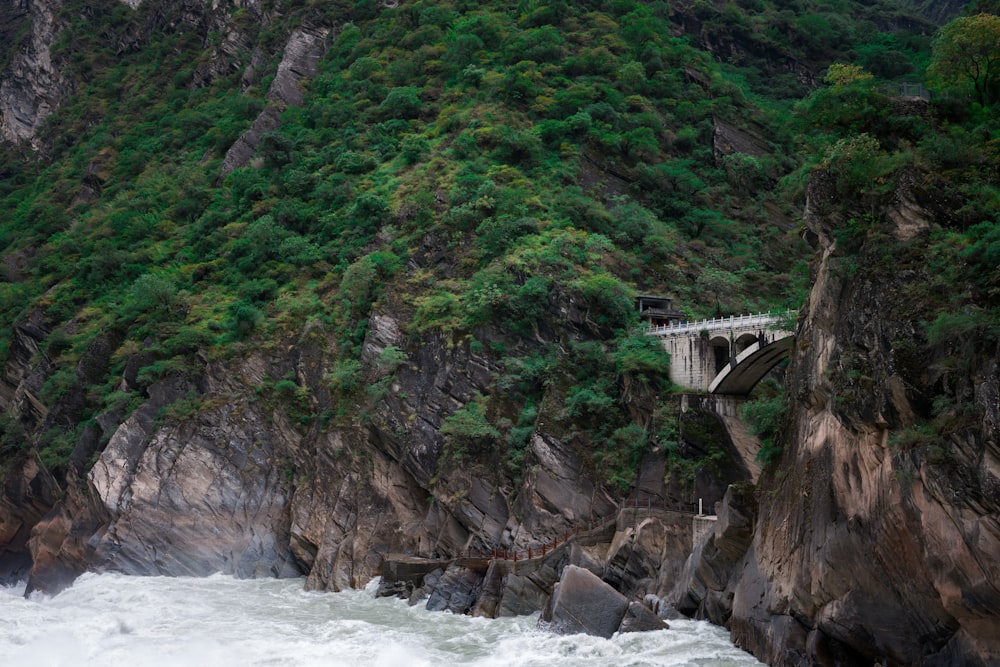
x=967, y=52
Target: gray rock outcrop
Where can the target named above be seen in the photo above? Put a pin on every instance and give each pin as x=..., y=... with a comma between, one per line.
x=32, y=84
x=300, y=58
x=582, y=603
x=169, y=488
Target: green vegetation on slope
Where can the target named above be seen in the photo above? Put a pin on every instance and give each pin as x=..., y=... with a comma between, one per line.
x=473, y=163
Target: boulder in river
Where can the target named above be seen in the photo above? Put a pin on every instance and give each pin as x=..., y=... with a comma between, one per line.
x=582, y=603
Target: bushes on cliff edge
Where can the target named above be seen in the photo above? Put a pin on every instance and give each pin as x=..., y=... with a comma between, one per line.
x=467, y=432
x=765, y=416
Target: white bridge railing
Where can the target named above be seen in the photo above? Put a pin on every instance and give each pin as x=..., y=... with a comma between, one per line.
x=764, y=320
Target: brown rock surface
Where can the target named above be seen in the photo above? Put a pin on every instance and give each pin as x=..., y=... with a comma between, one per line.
x=862, y=552
x=28, y=493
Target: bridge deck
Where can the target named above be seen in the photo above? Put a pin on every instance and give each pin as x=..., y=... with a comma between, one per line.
x=764, y=320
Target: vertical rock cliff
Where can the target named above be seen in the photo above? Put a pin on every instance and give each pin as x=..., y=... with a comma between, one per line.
x=868, y=546
x=32, y=84
x=216, y=472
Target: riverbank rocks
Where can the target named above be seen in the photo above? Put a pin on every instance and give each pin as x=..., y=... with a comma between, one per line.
x=403, y=576
x=639, y=618
x=582, y=603
x=456, y=591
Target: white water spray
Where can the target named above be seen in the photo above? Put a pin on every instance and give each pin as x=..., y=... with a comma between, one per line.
x=219, y=622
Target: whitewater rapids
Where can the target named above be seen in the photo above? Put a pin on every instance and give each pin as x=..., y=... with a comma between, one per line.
x=220, y=621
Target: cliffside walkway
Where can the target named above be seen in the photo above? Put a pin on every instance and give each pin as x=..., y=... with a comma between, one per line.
x=534, y=560
x=592, y=532
x=726, y=355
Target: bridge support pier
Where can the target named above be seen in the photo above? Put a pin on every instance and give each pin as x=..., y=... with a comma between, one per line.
x=721, y=404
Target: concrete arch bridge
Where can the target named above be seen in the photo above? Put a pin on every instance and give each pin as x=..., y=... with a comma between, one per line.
x=727, y=355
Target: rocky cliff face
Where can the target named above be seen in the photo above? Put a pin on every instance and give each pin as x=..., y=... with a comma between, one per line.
x=35, y=78
x=853, y=548
x=32, y=84
x=864, y=549
x=218, y=473
x=225, y=467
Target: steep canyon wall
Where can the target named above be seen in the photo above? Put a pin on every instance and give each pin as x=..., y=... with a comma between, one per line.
x=866, y=548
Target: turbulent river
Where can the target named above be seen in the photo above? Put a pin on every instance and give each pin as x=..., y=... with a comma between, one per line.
x=219, y=621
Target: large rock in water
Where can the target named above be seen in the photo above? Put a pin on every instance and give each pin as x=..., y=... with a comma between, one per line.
x=582, y=603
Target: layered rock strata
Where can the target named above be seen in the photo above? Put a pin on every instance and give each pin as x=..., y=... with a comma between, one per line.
x=32, y=84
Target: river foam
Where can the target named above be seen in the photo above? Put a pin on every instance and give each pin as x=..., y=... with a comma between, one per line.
x=219, y=621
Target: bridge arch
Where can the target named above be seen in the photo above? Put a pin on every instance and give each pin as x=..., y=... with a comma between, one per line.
x=723, y=348
x=741, y=375
x=742, y=348
x=720, y=352
x=744, y=341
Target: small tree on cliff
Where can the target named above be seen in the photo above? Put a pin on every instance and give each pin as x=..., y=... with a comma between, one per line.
x=982, y=6
x=842, y=75
x=967, y=52
x=849, y=105
x=467, y=431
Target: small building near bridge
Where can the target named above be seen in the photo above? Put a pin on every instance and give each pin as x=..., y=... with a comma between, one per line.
x=658, y=311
